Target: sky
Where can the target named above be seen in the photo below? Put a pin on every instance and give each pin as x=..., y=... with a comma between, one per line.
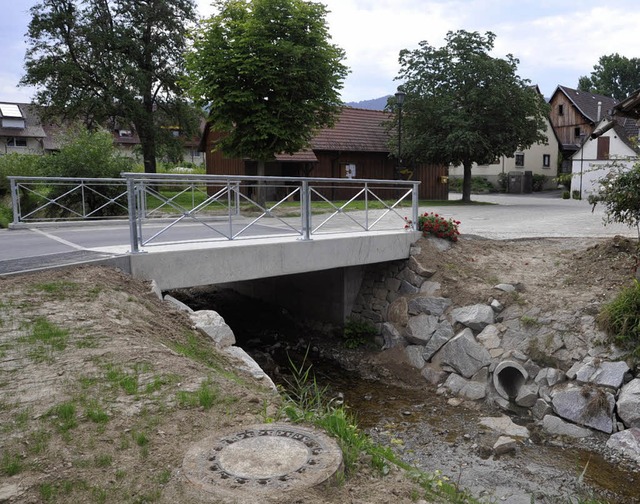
x=555, y=42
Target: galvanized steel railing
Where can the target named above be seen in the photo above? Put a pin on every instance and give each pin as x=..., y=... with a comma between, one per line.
x=164, y=209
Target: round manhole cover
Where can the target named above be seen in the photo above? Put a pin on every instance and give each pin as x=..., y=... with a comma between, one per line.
x=262, y=459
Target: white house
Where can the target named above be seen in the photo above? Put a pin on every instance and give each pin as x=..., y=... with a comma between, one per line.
x=614, y=141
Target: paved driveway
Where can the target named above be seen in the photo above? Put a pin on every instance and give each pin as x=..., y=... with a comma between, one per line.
x=528, y=216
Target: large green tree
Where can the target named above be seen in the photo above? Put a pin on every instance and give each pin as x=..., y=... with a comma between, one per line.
x=268, y=75
x=112, y=62
x=614, y=75
x=464, y=106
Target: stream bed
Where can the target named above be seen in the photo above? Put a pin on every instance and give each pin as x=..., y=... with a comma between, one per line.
x=428, y=430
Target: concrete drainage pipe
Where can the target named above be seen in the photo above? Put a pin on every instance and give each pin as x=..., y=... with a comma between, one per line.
x=508, y=377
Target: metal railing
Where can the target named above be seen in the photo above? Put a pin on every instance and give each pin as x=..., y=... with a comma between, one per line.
x=164, y=209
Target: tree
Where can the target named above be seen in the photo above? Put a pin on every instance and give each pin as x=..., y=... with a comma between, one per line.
x=267, y=74
x=614, y=75
x=463, y=106
x=111, y=62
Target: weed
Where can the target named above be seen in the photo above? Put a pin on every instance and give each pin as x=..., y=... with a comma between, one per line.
x=201, y=350
x=11, y=464
x=65, y=416
x=120, y=474
x=164, y=476
x=87, y=342
x=159, y=381
x=39, y=441
x=60, y=289
x=356, y=333
x=99, y=495
x=104, y=460
x=205, y=397
x=95, y=413
x=140, y=438
x=118, y=377
x=528, y=321
x=620, y=319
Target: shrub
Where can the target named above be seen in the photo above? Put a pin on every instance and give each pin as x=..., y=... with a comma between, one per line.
x=357, y=333
x=19, y=165
x=566, y=195
x=538, y=182
x=433, y=224
x=576, y=195
x=620, y=319
x=503, y=182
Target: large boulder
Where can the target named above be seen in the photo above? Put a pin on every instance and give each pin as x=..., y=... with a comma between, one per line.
x=429, y=305
x=629, y=404
x=213, y=325
x=476, y=317
x=472, y=390
x=604, y=373
x=558, y=427
x=440, y=337
x=589, y=406
x=626, y=442
x=464, y=354
x=420, y=329
x=392, y=337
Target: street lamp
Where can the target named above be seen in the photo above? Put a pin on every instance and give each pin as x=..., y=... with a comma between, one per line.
x=583, y=138
x=400, y=95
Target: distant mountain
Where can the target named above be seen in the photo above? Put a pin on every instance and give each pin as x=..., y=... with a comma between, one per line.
x=375, y=104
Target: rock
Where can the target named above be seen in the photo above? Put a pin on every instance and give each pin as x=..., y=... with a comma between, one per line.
x=626, y=442
x=213, y=325
x=420, y=269
x=505, y=426
x=433, y=374
x=440, y=337
x=489, y=337
x=429, y=305
x=549, y=377
x=414, y=356
x=411, y=277
x=468, y=389
x=398, y=313
x=496, y=306
x=249, y=365
x=505, y=287
x=541, y=409
x=429, y=288
x=588, y=406
x=558, y=427
x=464, y=354
x=178, y=304
x=391, y=336
x=155, y=289
x=527, y=396
x=10, y=491
x=420, y=329
x=606, y=374
x=476, y=317
x=407, y=288
x=504, y=444
x=629, y=404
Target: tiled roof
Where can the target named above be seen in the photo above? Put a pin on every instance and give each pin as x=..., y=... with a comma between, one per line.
x=630, y=106
x=305, y=156
x=587, y=103
x=626, y=129
x=356, y=130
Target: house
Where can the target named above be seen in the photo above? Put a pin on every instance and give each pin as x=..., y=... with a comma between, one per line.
x=20, y=129
x=614, y=141
x=574, y=116
x=539, y=159
x=355, y=147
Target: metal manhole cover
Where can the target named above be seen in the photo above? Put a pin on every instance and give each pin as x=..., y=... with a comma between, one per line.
x=262, y=459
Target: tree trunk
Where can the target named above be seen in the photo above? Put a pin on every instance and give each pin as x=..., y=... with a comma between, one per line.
x=466, y=182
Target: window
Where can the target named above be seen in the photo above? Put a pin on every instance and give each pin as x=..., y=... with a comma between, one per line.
x=603, y=147
x=560, y=109
x=576, y=132
x=546, y=160
x=520, y=159
x=16, y=142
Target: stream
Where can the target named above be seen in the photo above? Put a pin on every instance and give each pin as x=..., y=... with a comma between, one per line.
x=428, y=430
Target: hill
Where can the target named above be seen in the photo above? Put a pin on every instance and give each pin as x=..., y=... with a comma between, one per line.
x=374, y=104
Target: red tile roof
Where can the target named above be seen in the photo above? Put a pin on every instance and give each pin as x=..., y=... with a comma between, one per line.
x=356, y=130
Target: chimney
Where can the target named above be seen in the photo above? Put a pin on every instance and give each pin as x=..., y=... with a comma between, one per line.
x=599, y=111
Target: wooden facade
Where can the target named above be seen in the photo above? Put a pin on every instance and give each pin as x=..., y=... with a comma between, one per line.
x=358, y=139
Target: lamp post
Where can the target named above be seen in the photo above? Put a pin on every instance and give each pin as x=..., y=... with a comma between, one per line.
x=582, y=142
x=400, y=95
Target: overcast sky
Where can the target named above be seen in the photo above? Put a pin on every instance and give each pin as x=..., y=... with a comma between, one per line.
x=556, y=42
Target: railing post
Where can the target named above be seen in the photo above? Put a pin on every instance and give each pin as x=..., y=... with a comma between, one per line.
x=305, y=210
x=232, y=197
x=415, y=203
x=15, y=201
x=133, y=219
x=237, y=194
x=366, y=206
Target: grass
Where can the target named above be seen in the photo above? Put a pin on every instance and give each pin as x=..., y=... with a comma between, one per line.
x=60, y=288
x=205, y=397
x=45, y=337
x=120, y=378
x=528, y=321
x=64, y=416
x=11, y=464
x=620, y=319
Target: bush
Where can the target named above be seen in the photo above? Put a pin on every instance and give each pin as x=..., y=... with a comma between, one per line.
x=18, y=165
x=538, y=182
x=566, y=195
x=621, y=319
x=503, y=182
x=478, y=185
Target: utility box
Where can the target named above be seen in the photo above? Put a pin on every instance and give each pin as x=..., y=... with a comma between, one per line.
x=515, y=182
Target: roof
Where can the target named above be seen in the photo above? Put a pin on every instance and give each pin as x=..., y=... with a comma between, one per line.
x=32, y=129
x=356, y=130
x=630, y=106
x=626, y=129
x=587, y=103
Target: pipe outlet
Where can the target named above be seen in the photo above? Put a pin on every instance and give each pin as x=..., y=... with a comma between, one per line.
x=508, y=377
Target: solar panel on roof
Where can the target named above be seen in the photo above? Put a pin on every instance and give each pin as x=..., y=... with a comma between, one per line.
x=10, y=110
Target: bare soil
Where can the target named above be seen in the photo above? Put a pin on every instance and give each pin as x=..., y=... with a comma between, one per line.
x=97, y=374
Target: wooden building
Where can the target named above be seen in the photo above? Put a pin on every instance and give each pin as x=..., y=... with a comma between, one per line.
x=574, y=115
x=356, y=147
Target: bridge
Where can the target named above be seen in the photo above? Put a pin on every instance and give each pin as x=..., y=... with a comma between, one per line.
x=301, y=237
